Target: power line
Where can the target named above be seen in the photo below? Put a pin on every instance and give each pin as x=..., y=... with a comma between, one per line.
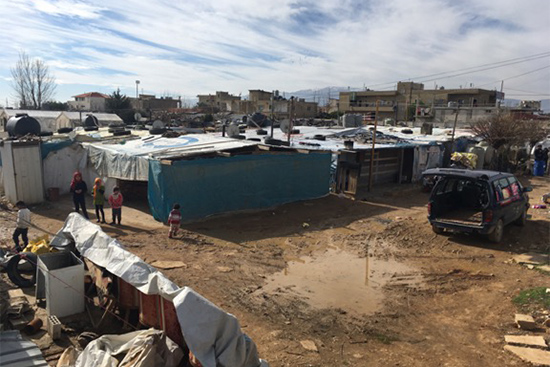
x=474, y=69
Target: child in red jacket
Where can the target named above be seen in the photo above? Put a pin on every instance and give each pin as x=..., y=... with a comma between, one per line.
x=115, y=201
x=174, y=220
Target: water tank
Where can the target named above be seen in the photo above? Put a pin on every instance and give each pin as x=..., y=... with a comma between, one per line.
x=20, y=125
x=91, y=120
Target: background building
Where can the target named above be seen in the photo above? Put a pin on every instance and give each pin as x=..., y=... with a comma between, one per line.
x=93, y=101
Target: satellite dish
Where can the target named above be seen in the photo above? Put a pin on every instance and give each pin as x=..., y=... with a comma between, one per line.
x=285, y=126
x=233, y=130
x=137, y=116
x=157, y=124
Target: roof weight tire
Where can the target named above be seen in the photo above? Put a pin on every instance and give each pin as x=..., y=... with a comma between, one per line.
x=15, y=273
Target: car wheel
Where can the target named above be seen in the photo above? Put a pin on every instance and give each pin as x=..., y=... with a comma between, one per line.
x=437, y=229
x=522, y=219
x=498, y=231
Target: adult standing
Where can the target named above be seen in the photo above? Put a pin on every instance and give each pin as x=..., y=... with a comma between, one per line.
x=79, y=190
x=540, y=161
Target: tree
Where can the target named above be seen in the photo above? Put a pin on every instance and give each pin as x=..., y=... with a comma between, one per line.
x=55, y=106
x=509, y=135
x=504, y=129
x=118, y=101
x=32, y=82
x=120, y=104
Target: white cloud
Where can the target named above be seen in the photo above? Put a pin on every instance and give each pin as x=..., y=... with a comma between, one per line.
x=191, y=47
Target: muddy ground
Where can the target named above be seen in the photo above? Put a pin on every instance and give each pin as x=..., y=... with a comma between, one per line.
x=365, y=280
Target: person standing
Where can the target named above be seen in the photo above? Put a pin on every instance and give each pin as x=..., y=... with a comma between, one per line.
x=115, y=201
x=22, y=225
x=174, y=220
x=79, y=190
x=99, y=199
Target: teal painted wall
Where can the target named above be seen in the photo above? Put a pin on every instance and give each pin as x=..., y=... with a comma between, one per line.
x=217, y=185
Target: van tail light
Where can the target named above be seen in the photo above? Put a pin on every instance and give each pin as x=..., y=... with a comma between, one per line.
x=488, y=216
x=429, y=208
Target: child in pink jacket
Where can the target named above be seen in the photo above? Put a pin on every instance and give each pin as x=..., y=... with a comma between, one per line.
x=115, y=201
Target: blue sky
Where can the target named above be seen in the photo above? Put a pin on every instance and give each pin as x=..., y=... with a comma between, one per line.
x=184, y=48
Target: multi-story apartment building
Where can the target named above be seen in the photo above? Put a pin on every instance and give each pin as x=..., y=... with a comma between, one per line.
x=93, y=101
x=411, y=101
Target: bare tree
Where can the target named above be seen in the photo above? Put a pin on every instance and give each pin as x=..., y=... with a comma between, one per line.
x=32, y=82
x=504, y=129
x=509, y=135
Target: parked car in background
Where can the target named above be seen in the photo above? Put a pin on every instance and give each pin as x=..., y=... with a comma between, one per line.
x=476, y=201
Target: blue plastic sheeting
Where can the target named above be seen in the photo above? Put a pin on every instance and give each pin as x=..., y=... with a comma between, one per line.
x=217, y=185
x=46, y=147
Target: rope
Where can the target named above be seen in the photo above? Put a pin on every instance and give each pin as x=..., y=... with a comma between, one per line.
x=106, y=309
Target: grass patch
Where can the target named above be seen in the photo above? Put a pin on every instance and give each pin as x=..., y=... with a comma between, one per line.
x=385, y=339
x=533, y=298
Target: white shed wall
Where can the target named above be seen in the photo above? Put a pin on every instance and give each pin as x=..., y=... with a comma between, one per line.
x=22, y=166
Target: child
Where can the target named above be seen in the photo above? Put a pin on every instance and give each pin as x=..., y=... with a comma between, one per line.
x=22, y=225
x=79, y=189
x=115, y=201
x=174, y=220
x=99, y=199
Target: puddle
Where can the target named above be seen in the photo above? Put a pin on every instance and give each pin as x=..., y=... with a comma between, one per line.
x=338, y=279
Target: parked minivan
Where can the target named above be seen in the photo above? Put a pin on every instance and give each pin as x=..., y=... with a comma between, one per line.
x=476, y=201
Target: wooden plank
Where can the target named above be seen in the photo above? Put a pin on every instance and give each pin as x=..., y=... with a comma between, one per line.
x=166, y=162
x=264, y=147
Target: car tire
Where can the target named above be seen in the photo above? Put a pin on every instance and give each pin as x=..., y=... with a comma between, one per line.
x=437, y=230
x=15, y=275
x=498, y=231
x=522, y=220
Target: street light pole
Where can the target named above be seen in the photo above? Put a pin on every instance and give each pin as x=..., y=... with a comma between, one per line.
x=137, y=86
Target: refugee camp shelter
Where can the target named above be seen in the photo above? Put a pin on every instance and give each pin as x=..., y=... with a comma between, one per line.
x=397, y=159
x=209, y=174
x=47, y=119
x=22, y=170
x=77, y=118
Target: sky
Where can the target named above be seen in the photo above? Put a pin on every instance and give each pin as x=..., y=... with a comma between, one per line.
x=185, y=48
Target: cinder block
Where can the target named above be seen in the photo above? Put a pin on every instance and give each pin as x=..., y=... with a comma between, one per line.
x=54, y=327
x=525, y=322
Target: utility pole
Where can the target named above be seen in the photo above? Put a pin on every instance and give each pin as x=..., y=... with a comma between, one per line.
x=371, y=166
x=454, y=127
x=137, y=90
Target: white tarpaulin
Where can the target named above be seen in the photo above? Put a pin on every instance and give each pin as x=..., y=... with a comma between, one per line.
x=130, y=160
x=209, y=332
x=144, y=348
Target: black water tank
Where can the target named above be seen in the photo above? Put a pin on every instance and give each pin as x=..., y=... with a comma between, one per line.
x=91, y=120
x=20, y=125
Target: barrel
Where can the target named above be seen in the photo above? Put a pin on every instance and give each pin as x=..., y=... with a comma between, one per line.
x=24, y=124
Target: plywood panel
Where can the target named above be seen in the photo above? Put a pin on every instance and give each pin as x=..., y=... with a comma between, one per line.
x=28, y=173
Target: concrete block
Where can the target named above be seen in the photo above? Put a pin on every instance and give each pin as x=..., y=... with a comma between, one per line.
x=533, y=341
x=526, y=322
x=534, y=356
x=54, y=327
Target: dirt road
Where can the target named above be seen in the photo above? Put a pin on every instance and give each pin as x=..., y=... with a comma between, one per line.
x=366, y=281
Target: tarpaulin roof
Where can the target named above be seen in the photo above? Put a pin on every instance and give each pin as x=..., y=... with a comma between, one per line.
x=129, y=160
x=213, y=335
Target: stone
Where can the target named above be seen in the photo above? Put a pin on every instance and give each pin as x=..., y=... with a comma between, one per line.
x=537, y=357
x=525, y=322
x=528, y=340
x=224, y=269
x=168, y=264
x=531, y=258
x=309, y=345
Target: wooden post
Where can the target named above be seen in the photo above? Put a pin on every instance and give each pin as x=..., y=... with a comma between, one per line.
x=454, y=127
x=373, y=144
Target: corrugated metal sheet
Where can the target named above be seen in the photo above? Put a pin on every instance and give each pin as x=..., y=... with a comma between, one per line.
x=17, y=352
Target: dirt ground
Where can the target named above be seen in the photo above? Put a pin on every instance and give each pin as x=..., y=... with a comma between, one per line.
x=365, y=280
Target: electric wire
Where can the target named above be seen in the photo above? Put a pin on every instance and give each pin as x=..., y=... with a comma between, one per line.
x=91, y=300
